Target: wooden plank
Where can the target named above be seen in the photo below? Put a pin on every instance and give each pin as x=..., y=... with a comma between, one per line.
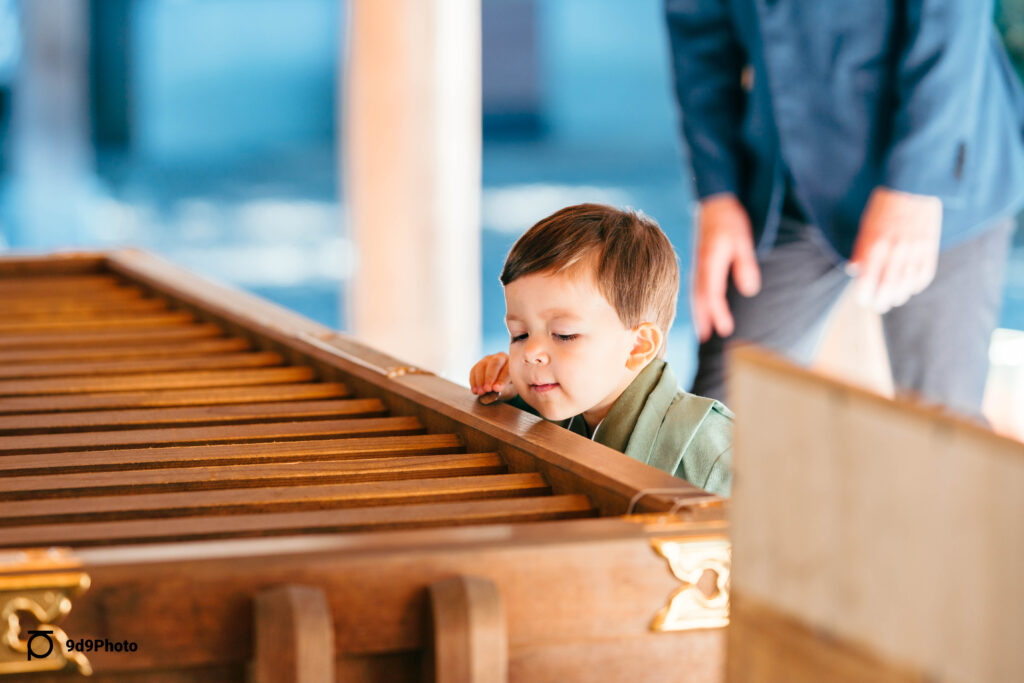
x=97, y=298
x=300, y=473
x=149, y=320
x=569, y=585
x=184, y=436
x=173, y=397
x=52, y=423
x=46, y=283
x=767, y=646
x=71, y=354
x=52, y=264
x=887, y=524
x=73, y=308
x=272, y=499
x=156, y=380
x=343, y=520
x=254, y=359
x=228, y=454
x=105, y=338
x=469, y=643
x=294, y=636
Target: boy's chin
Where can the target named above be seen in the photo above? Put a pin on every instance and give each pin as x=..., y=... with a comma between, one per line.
x=551, y=413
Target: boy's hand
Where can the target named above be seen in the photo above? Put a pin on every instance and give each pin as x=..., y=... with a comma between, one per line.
x=491, y=374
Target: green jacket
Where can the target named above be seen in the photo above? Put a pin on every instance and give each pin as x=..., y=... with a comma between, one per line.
x=657, y=423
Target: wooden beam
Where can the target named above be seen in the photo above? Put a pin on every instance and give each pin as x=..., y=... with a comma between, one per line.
x=294, y=636
x=469, y=642
x=412, y=174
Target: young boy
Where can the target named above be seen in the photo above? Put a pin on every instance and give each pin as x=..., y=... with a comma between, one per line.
x=590, y=294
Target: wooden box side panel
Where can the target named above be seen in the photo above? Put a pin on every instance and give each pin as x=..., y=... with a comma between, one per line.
x=890, y=526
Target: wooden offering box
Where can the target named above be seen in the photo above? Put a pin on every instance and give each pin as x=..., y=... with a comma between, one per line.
x=875, y=541
x=196, y=485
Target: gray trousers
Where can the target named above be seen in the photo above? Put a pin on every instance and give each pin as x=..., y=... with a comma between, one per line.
x=937, y=342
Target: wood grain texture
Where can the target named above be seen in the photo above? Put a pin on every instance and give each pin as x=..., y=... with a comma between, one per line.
x=220, y=361
x=138, y=482
x=155, y=380
x=186, y=347
x=172, y=397
x=886, y=524
x=468, y=633
x=766, y=646
x=183, y=436
x=402, y=515
x=107, y=338
x=62, y=326
x=52, y=423
x=227, y=454
x=294, y=636
x=564, y=585
x=270, y=499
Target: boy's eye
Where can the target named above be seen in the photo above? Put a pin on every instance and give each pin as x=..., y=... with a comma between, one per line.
x=518, y=337
x=566, y=337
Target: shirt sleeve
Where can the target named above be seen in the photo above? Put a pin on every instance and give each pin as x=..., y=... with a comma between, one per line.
x=707, y=61
x=943, y=49
x=707, y=460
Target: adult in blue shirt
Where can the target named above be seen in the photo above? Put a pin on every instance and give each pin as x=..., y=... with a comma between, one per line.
x=876, y=140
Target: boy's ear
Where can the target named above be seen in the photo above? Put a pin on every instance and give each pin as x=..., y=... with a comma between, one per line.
x=645, y=346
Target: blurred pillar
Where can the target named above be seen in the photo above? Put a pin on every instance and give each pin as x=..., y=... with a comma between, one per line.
x=51, y=146
x=412, y=149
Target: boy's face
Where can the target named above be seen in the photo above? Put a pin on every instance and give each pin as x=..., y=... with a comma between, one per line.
x=568, y=348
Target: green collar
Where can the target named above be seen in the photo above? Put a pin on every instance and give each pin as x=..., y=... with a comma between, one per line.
x=618, y=424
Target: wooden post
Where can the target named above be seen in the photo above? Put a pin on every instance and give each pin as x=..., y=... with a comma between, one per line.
x=50, y=125
x=294, y=636
x=470, y=644
x=412, y=179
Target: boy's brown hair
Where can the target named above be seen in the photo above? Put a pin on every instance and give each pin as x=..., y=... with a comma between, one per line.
x=637, y=271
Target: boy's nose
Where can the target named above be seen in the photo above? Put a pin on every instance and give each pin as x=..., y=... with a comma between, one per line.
x=534, y=354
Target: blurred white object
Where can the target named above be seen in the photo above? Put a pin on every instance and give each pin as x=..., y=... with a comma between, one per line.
x=1004, y=393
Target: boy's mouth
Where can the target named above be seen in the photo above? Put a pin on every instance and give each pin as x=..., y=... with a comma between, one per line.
x=542, y=388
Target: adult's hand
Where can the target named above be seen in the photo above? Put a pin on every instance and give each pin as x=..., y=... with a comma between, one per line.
x=725, y=242
x=897, y=247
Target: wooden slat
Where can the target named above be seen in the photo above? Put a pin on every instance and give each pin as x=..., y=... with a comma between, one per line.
x=73, y=354
x=173, y=397
x=56, y=283
x=51, y=423
x=207, y=477
x=228, y=454
x=60, y=326
x=272, y=499
x=105, y=338
x=157, y=380
x=182, y=436
x=253, y=359
x=78, y=263
x=527, y=509
x=73, y=308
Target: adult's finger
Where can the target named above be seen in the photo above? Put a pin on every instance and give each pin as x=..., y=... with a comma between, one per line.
x=895, y=280
x=710, y=289
x=871, y=265
x=745, y=271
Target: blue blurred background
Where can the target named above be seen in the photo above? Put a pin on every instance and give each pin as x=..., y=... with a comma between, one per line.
x=211, y=137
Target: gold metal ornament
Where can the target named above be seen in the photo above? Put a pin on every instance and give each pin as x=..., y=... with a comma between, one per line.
x=39, y=583
x=691, y=607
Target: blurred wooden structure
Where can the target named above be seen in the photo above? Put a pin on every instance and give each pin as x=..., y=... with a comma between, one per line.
x=244, y=494
x=874, y=540
x=412, y=157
